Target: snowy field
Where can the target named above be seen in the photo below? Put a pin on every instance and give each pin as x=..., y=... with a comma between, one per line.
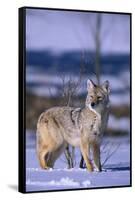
x=44, y=84
x=116, y=169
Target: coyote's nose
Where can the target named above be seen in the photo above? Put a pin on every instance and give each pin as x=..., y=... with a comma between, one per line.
x=92, y=104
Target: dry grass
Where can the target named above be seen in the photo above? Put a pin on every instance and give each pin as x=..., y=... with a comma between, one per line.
x=120, y=111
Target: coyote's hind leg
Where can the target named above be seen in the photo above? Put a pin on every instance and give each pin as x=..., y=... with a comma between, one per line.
x=54, y=155
x=43, y=159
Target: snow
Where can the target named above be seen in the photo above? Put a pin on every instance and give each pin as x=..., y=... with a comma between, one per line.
x=76, y=179
x=119, y=124
x=33, y=75
x=120, y=99
x=44, y=84
x=62, y=182
x=116, y=170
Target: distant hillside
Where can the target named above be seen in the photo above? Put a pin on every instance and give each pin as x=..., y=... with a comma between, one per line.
x=71, y=61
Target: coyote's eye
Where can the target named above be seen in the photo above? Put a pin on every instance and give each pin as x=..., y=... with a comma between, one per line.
x=99, y=98
x=91, y=97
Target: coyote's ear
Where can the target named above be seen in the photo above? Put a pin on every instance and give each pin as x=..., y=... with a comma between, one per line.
x=90, y=85
x=106, y=86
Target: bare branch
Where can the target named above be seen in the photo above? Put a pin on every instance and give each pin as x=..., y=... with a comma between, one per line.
x=50, y=91
x=110, y=153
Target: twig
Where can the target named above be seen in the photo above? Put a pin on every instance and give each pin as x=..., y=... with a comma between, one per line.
x=109, y=155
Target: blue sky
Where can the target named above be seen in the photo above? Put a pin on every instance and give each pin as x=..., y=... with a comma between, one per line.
x=60, y=31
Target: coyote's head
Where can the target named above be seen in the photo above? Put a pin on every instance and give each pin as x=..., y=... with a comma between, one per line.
x=98, y=96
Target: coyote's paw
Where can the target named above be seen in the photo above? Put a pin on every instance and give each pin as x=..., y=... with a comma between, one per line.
x=90, y=167
x=46, y=168
x=97, y=170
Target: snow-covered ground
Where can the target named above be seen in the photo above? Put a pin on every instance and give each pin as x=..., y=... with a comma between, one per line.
x=43, y=84
x=116, y=170
x=122, y=123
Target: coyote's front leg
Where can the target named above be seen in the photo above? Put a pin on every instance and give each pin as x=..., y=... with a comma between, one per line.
x=96, y=155
x=85, y=149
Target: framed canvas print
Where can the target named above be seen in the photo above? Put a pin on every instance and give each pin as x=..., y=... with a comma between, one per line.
x=74, y=99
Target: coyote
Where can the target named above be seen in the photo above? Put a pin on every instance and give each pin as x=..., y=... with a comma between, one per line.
x=59, y=126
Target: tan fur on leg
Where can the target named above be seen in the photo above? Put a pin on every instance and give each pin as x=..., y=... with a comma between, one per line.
x=96, y=155
x=85, y=152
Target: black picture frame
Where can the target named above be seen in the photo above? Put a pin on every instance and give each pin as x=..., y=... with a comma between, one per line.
x=22, y=99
